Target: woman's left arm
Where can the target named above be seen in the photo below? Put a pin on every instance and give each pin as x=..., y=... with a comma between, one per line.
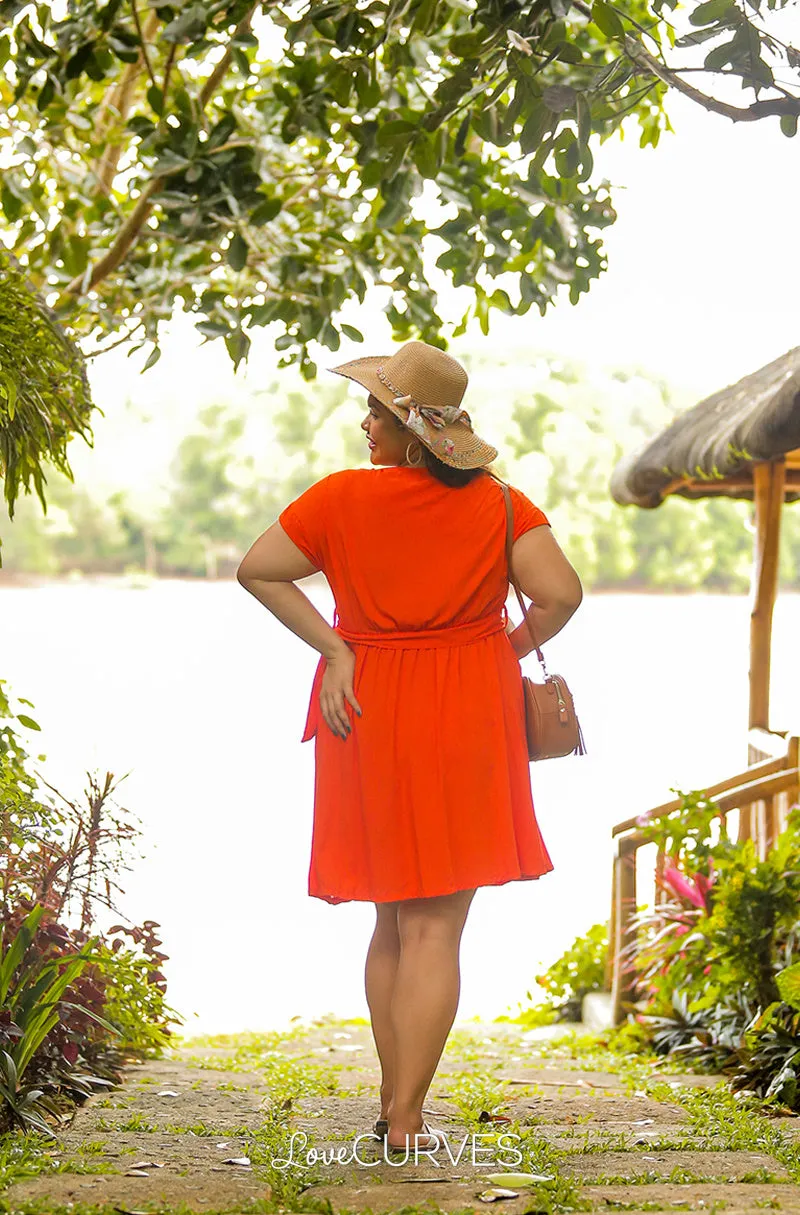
x=268, y=571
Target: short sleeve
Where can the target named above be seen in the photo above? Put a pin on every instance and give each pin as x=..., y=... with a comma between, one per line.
x=526, y=515
x=305, y=521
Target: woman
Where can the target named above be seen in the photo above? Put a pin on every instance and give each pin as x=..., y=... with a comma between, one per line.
x=428, y=796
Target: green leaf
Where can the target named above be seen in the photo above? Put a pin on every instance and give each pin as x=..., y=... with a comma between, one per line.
x=237, y=252
x=265, y=211
x=392, y=210
x=788, y=983
x=720, y=55
x=188, y=27
x=351, y=332
x=424, y=156
x=28, y=721
x=169, y=162
x=155, y=98
x=46, y=94
x=536, y=126
x=789, y=124
x=395, y=130
x=558, y=97
x=607, y=20
x=584, y=120
x=212, y=329
x=78, y=62
x=155, y=355
x=328, y=336
x=79, y=121
x=461, y=136
x=710, y=11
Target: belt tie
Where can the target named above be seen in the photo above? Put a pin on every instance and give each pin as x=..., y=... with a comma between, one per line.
x=464, y=633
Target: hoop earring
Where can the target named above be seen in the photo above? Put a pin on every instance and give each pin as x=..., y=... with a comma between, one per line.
x=414, y=463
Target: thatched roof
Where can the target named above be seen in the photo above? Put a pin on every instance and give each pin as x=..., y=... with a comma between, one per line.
x=711, y=448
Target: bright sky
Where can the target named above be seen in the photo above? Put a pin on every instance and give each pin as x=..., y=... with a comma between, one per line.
x=701, y=287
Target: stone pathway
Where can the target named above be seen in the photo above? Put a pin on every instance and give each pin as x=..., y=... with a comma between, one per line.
x=211, y=1128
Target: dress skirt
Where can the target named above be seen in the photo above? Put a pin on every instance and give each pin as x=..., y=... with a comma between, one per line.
x=430, y=792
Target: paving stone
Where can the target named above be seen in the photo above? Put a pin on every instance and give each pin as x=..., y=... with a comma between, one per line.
x=602, y=1107
x=739, y=1199
x=723, y=1165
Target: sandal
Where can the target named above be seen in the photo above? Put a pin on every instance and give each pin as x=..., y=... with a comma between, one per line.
x=381, y=1128
x=425, y=1133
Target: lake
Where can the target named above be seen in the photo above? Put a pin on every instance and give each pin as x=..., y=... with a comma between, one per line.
x=199, y=694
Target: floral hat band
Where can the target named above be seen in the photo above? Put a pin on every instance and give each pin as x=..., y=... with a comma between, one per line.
x=437, y=415
x=445, y=415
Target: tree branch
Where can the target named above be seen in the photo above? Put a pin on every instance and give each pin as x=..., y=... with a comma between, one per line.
x=133, y=225
x=647, y=63
x=143, y=43
x=124, y=239
x=92, y=354
x=759, y=109
x=210, y=86
x=120, y=99
x=167, y=70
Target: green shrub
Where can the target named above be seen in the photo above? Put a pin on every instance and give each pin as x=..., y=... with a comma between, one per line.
x=578, y=971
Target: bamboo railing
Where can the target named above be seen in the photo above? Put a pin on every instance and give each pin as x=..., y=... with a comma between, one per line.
x=762, y=794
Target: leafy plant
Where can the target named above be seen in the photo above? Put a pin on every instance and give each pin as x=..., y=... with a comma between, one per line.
x=24, y=1102
x=719, y=983
x=578, y=971
x=73, y=1001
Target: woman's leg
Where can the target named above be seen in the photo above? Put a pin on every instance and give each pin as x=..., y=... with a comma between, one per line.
x=427, y=987
x=383, y=956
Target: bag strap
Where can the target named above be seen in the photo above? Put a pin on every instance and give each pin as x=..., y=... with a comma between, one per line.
x=509, y=544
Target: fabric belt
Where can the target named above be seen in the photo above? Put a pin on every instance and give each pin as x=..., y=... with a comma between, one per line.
x=424, y=639
x=416, y=639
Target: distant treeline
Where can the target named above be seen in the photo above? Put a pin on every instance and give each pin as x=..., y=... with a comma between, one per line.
x=564, y=434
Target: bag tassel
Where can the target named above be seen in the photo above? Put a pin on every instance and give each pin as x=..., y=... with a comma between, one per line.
x=581, y=747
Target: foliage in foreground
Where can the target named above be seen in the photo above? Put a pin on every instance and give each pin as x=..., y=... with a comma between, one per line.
x=44, y=391
x=75, y=1002
x=717, y=960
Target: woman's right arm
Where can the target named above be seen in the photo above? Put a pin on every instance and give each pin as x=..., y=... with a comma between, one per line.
x=545, y=576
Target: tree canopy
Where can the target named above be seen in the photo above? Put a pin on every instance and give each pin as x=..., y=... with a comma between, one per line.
x=258, y=162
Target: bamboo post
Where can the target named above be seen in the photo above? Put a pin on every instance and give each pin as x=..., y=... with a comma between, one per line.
x=612, y=931
x=771, y=822
x=623, y=986
x=659, y=894
x=768, y=486
x=745, y=824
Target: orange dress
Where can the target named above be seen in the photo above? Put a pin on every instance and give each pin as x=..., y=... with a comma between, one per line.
x=430, y=792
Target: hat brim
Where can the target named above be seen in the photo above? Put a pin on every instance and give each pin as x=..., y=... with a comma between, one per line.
x=364, y=371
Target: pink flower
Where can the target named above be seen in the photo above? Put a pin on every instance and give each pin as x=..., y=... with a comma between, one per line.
x=683, y=886
x=694, y=890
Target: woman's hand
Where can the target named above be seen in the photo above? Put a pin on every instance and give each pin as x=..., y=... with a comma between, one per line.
x=511, y=629
x=336, y=689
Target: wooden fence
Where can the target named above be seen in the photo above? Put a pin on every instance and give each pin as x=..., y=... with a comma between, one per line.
x=762, y=794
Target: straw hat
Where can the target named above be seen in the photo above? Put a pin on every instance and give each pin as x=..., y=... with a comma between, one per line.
x=423, y=387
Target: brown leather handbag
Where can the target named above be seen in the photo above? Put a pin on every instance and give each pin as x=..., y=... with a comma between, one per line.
x=551, y=722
